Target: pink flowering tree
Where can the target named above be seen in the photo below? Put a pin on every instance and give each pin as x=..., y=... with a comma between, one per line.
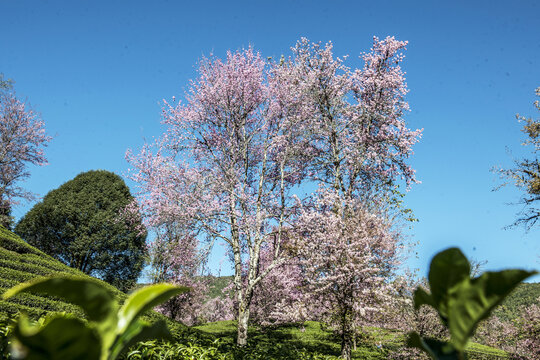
x=252, y=130
x=360, y=146
x=360, y=139
x=226, y=164
x=177, y=257
x=22, y=140
x=348, y=256
x=281, y=298
x=529, y=330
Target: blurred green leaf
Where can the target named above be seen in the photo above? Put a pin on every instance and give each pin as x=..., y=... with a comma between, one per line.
x=140, y=331
x=145, y=299
x=421, y=297
x=475, y=299
x=60, y=338
x=109, y=332
x=438, y=350
x=461, y=302
x=96, y=301
x=448, y=268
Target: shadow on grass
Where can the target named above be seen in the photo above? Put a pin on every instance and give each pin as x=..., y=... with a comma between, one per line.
x=308, y=341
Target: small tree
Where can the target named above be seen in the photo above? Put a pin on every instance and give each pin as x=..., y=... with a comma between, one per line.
x=79, y=223
x=22, y=139
x=176, y=257
x=281, y=297
x=529, y=330
x=526, y=172
x=347, y=257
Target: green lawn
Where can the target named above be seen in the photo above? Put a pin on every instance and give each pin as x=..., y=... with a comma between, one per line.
x=313, y=339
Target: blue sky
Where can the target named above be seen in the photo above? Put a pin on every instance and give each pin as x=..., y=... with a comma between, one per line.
x=97, y=71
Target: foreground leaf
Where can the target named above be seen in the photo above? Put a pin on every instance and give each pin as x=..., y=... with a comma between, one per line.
x=145, y=299
x=137, y=332
x=438, y=350
x=474, y=300
x=448, y=268
x=96, y=301
x=61, y=338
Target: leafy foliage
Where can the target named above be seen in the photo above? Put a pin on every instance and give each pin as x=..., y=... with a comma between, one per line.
x=110, y=330
x=79, y=224
x=460, y=301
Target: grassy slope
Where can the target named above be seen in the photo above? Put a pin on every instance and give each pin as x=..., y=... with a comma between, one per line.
x=376, y=344
x=524, y=295
x=217, y=284
x=20, y=262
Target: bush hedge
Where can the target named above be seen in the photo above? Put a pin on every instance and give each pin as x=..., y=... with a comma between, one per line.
x=20, y=262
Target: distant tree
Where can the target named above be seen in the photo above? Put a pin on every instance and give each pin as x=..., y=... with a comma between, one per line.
x=22, y=139
x=526, y=172
x=529, y=330
x=80, y=224
x=5, y=84
x=177, y=257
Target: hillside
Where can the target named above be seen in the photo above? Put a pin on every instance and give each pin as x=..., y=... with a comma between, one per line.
x=524, y=295
x=20, y=262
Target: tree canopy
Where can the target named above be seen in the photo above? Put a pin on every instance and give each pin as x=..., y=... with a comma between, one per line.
x=80, y=224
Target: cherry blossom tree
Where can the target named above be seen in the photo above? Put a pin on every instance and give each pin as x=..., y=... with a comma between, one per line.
x=22, y=140
x=251, y=131
x=347, y=258
x=280, y=297
x=360, y=146
x=225, y=166
x=529, y=330
x=177, y=257
x=360, y=139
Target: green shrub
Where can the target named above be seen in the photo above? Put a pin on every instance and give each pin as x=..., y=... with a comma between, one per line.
x=110, y=330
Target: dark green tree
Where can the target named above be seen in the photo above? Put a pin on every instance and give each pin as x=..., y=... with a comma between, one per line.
x=81, y=224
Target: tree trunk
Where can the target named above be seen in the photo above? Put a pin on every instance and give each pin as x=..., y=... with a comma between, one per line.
x=5, y=214
x=346, y=337
x=243, y=319
x=346, y=344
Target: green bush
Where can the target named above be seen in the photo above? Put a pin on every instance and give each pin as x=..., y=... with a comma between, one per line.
x=109, y=331
x=20, y=262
